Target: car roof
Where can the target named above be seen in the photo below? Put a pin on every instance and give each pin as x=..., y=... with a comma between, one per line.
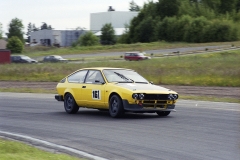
x=51, y=55
x=18, y=56
x=132, y=52
x=103, y=68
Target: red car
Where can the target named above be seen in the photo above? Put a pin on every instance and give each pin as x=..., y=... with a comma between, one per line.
x=135, y=56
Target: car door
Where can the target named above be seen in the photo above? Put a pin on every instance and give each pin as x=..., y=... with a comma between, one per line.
x=94, y=89
x=76, y=83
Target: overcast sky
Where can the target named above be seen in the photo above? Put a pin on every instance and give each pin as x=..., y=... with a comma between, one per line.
x=60, y=14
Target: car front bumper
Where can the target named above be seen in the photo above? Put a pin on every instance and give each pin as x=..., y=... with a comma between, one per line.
x=147, y=108
x=59, y=97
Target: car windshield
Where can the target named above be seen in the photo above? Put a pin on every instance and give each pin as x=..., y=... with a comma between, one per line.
x=25, y=57
x=123, y=76
x=140, y=54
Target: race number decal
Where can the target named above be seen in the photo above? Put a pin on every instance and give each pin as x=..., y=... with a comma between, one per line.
x=96, y=94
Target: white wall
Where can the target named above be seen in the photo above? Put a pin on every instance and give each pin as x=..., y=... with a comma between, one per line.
x=42, y=34
x=118, y=19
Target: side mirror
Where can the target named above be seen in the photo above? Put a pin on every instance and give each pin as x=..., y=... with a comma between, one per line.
x=97, y=81
x=151, y=82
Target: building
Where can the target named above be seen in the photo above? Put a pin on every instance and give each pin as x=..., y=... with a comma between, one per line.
x=65, y=38
x=118, y=19
x=5, y=56
x=61, y=38
x=3, y=44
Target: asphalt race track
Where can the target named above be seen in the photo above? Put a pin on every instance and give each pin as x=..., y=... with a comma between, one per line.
x=198, y=130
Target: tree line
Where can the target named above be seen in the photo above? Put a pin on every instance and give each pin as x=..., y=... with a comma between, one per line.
x=186, y=21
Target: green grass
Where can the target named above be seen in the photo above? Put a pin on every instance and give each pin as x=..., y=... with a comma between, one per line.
x=43, y=51
x=210, y=98
x=28, y=90
x=11, y=150
x=211, y=69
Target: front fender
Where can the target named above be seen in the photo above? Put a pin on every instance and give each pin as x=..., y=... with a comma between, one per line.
x=68, y=90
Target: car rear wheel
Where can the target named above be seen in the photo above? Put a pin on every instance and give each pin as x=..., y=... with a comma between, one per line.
x=163, y=113
x=70, y=105
x=115, y=106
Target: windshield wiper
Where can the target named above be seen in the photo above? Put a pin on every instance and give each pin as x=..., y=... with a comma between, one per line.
x=142, y=82
x=123, y=77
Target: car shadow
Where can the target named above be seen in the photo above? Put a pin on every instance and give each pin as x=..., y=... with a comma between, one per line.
x=96, y=114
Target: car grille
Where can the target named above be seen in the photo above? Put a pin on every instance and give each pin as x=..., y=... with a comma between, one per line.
x=156, y=96
x=156, y=101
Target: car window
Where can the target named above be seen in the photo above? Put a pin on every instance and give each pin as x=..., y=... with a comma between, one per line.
x=77, y=77
x=122, y=75
x=58, y=57
x=94, y=77
x=15, y=58
x=25, y=57
x=140, y=54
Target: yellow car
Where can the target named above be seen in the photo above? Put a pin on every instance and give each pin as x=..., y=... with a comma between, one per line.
x=117, y=90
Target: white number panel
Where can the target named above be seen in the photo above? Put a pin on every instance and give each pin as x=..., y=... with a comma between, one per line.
x=96, y=94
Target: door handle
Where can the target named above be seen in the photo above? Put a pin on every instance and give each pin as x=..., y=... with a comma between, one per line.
x=83, y=86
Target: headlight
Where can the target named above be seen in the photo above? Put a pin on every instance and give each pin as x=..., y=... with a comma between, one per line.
x=141, y=96
x=172, y=96
x=138, y=96
x=135, y=96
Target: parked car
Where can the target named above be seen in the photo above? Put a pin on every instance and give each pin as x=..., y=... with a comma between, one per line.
x=116, y=90
x=135, y=56
x=54, y=58
x=22, y=59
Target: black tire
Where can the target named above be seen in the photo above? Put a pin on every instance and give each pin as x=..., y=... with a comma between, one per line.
x=70, y=105
x=115, y=106
x=163, y=113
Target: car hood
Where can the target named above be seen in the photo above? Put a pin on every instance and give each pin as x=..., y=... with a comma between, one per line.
x=140, y=87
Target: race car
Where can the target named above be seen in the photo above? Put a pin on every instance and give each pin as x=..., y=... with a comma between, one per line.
x=117, y=90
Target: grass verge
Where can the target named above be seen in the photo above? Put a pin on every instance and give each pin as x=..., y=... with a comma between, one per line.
x=20, y=151
x=43, y=51
x=211, y=69
x=210, y=98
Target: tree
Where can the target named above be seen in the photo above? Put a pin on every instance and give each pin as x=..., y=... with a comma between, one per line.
x=238, y=6
x=16, y=29
x=124, y=38
x=34, y=28
x=134, y=6
x=1, y=32
x=108, y=34
x=45, y=26
x=228, y=6
x=168, y=8
x=213, y=4
x=146, y=30
x=15, y=45
x=88, y=39
x=29, y=30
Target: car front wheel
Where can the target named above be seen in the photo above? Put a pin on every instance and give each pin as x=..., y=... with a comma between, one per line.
x=115, y=106
x=163, y=113
x=70, y=105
